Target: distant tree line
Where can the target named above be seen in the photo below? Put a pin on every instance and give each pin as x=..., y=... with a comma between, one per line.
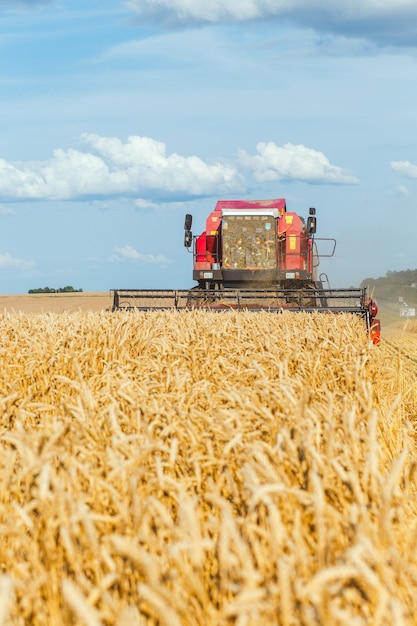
x=406, y=278
x=67, y=289
x=394, y=286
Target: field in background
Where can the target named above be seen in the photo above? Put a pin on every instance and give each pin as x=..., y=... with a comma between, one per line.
x=56, y=302
x=187, y=469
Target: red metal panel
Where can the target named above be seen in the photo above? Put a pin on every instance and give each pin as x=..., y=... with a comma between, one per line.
x=201, y=248
x=213, y=223
x=205, y=251
x=275, y=203
x=292, y=228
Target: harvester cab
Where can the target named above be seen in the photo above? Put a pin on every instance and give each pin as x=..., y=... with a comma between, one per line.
x=258, y=244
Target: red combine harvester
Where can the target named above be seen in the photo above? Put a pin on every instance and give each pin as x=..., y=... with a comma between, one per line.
x=256, y=255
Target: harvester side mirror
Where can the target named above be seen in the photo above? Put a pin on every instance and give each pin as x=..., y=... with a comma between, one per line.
x=188, y=238
x=188, y=222
x=312, y=224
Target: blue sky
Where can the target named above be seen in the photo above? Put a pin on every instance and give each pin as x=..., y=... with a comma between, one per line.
x=118, y=117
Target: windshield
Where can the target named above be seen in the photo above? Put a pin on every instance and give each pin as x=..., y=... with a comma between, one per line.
x=249, y=242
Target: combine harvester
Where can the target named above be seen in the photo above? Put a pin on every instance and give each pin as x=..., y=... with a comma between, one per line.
x=255, y=255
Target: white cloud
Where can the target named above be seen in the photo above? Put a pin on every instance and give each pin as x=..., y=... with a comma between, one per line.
x=141, y=166
x=5, y=210
x=386, y=21
x=403, y=190
x=145, y=205
x=201, y=10
x=223, y=10
x=9, y=262
x=404, y=168
x=127, y=253
x=294, y=162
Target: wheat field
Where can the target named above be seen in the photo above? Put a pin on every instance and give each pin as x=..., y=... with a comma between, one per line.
x=200, y=468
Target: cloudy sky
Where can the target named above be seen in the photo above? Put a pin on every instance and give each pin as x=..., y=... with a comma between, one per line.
x=120, y=116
